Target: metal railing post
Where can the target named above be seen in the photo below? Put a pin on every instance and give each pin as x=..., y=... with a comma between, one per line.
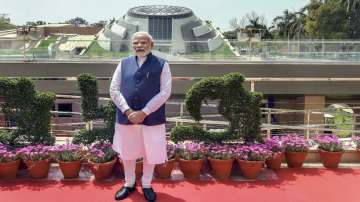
x=268, y=131
x=308, y=112
x=252, y=86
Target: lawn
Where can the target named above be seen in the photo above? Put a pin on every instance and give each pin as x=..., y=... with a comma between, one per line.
x=95, y=50
x=45, y=43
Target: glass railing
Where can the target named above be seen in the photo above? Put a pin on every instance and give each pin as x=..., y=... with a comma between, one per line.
x=63, y=48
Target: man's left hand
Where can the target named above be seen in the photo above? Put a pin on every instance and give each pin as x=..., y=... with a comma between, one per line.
x=137, y=117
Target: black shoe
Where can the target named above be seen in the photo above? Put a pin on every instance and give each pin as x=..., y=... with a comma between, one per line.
x=149, y=194
x=124, y=192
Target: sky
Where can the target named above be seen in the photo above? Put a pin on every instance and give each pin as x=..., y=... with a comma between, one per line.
x=218, y=11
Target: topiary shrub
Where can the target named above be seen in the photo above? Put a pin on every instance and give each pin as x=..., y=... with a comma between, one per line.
x=91, y=111
x=240, y=107
x=29, y=109
x=87, y=137
x=89, y=96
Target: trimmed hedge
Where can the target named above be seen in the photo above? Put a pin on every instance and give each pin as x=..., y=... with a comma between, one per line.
x=240, y=107
x=92, y=111
x=87, y=137
x=30, y=110
x=89, y=96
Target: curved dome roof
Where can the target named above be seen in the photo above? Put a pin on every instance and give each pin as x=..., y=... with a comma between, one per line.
x=160, y=11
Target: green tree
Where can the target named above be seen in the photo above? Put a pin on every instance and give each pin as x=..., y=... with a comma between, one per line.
x=77, y=21
x=350, y=4
x=5, y=24
x=39, y=22
x=252, y=23
x=289, y=25
x=327, y=20
x=352, y=15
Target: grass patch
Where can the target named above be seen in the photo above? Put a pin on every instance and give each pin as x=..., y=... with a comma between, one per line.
x=47, y=42
x=95, y=50
x=11, y=52
x=42, y=50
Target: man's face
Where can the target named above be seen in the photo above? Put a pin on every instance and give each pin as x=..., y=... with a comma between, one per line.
x=141, y=45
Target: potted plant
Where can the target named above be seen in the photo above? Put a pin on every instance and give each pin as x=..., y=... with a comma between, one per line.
x=356, y=140
x=191, y=158
x=296, y=149
x=275, y=145
x=102, y=159
x=221, y=159
x=251, y=159
x=37, y=159
x=9, y=162
x=164, y=170
x=69, y=157
x=330, y=150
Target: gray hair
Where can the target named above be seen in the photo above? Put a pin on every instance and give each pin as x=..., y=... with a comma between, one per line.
x=146, y=34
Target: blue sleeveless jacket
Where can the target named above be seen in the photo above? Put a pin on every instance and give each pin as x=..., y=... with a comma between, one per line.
x=139, y=86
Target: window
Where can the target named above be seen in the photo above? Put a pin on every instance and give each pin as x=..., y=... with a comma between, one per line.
x=160, y=28
x=65, y=107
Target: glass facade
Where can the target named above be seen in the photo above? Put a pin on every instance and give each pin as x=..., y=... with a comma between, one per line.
x=160, y=28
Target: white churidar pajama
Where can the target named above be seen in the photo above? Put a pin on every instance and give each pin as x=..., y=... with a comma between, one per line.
x=140, y=141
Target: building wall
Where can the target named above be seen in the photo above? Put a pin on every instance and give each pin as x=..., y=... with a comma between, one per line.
x=103, y=41
x=178, y=43
x=215, y=43
x=142, y=23
x=66, y=130
x=314, y=102
x=71, y=30
x=288, y=102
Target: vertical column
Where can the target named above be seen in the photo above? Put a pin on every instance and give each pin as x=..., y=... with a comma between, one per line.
x=315, y=105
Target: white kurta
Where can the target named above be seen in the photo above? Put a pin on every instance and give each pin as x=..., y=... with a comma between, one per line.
x=136, y=141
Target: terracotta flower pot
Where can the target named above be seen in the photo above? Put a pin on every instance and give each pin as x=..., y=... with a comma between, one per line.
x=22, y=165
x=102, y=170
x=330, y=159
x=9, y=170
x=70, y=169
x=221, y=169
x=191, y=168
x=250, y=169
x=295, y=159
x=164, y=170
x=38, y=169
x=274, y=162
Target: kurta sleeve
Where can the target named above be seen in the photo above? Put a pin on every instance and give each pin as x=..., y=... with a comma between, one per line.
x=115, y=93
x=165, y=91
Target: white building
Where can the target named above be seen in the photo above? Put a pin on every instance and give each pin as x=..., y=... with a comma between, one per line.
x=175, y=30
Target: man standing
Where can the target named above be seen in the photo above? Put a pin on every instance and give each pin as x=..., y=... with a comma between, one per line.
x=140, y=86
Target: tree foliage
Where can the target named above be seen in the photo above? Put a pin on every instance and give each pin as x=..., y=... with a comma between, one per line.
x=5, y=24
x=327, y=20
x=252, y=24
x=77, y=21
x=290, y=25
